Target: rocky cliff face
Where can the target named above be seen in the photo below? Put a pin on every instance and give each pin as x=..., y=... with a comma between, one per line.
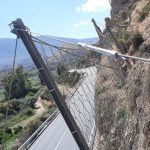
x=132, y=13
x=117, y=6
x=140, y=18
x=123, y=94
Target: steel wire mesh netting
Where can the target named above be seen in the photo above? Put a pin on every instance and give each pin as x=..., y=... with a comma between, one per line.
x=90, y=84
x=95, y=89
x=74, y=70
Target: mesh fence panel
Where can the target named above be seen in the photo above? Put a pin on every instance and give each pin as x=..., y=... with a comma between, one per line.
x=90, y=83
x=74, y=70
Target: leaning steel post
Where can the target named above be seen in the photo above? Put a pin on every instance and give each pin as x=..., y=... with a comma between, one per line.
x=20, y=30
x=98, y=30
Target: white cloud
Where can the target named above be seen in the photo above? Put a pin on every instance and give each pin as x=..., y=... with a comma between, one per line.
x=93, y=6
x=81, y=23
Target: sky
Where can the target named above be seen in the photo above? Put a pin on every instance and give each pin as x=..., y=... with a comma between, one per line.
x=62, y=18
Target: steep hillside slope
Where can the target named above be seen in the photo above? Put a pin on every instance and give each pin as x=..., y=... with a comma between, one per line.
x=123, y=89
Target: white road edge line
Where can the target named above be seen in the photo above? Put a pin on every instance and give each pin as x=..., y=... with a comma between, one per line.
x=61, y=139
x=91, y=134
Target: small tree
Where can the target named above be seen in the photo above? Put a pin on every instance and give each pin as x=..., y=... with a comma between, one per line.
x=20, y=83
x=31, y=101
x=15, y=105
x=47, y=95
x=61, y=68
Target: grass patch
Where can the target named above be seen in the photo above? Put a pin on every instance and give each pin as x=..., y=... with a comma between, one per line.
x=17, y=136
x=10, y=135
x=23, y=115
x=8, y=139
x=130, y=38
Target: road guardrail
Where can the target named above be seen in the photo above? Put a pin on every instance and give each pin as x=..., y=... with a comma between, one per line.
x=39, y=131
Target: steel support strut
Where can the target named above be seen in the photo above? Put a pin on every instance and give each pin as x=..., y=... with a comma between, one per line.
x=20, y=29
x=98, y=30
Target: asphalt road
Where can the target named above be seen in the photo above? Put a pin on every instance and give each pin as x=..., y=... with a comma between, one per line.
x=57, y=136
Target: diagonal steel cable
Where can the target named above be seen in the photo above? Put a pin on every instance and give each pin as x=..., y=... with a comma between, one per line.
x=9, y=94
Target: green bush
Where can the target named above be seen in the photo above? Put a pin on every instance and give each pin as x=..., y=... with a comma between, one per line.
x=144, y=13
x=15, y=105
x=46, y=95
x=22, y=115
x=18, y=129
x=30, y=94
x=121, y=113
x=3, y=109
x=137, y=40
x=30, y=101
x=28, y=112
x=8, y=130
x=74, y=78
x=63, y=78
x=61, y=68
x=131, y=38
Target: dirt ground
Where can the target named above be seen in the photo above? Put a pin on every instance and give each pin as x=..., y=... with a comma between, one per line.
x=38, y=112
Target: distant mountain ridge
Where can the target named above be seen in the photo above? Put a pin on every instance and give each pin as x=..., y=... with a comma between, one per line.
x=7, y=46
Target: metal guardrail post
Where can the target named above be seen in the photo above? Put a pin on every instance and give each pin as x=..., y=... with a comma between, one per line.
x=21, y=30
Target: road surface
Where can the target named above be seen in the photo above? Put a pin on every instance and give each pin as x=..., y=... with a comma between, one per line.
x=57, y=136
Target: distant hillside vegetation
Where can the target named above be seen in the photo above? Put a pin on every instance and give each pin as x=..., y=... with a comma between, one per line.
x=7, y=50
